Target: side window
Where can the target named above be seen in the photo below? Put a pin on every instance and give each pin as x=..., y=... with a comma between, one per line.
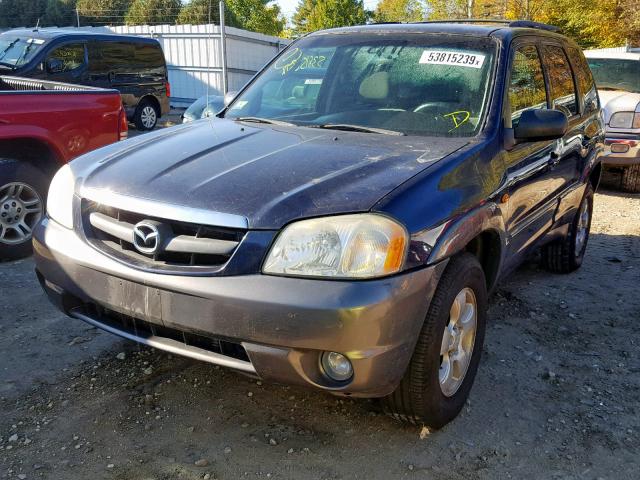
x=584, y=78
x=526, y=89
x=563, y=91
x=66, y=58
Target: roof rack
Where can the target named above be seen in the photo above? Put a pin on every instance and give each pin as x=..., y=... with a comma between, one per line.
x=508, y=23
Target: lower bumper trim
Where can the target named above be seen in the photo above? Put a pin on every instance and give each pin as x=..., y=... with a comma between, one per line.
x=169, y=345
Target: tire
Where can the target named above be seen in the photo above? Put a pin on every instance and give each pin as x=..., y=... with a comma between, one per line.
x=23, y=193
x=422, y=395
x=146, y=116
x=566, y=255
x=631, y=179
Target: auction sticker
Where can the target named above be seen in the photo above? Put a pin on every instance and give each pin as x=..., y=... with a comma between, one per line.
x=453, y=58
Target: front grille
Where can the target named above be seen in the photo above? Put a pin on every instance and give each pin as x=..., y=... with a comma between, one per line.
x=183, y=246
x=144, y=329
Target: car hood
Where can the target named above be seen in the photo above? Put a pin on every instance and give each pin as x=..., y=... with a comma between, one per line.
x=268, y=174
x=618, y=101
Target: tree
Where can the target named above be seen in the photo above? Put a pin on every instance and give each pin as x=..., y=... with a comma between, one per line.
x=400, y=11
x=313, y=15
x=101, y=12
x=255, y=15
x=60, y=13
x=21, y=13
x=147, y=12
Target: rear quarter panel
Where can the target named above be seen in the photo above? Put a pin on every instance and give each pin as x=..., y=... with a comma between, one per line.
x=71, y=123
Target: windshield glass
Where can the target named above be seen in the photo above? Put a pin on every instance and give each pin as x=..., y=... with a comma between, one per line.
x=413, y=84
x=15, y=52
x=616, y=73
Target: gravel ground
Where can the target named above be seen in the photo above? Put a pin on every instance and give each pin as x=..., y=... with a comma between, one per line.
x=556, y=395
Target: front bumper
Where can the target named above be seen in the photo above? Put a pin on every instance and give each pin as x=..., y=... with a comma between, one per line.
x=283, y=324
x=629, y=143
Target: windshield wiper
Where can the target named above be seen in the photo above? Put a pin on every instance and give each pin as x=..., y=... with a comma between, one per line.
x=7, y=64
x=356, y=128
x=268, y=121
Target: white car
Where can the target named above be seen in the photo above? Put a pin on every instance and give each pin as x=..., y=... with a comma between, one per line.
x=617, y=76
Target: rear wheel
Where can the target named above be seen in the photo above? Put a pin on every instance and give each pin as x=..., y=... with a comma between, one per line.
x=23, y=190
x=567, y=254
x=445, y=361
x=146, y=115
x=631, y=179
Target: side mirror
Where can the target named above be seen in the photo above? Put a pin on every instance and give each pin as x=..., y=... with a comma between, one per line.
x=54, y=65
x=229, y=96
x=539, y=125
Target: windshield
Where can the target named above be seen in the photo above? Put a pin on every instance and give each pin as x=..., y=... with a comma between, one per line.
x=409, y=84
x=614, y=73
x=15, y=52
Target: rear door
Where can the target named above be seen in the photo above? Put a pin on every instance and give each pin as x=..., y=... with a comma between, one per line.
x=113, y=66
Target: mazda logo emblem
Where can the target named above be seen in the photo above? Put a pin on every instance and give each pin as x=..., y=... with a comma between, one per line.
x=146, y=237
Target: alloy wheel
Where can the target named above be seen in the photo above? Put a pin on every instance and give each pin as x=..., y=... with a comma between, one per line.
x=458, y=341
x=20, y=211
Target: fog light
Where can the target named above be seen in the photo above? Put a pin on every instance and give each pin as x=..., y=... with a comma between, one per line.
x=336, y=366
x=619, y=148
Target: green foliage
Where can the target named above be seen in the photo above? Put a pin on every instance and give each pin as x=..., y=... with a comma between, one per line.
x=60, y=13
x=313, y=15
x=22, y=13
x=255, y=15
x=400, y=11
x=145, y=12
x=100, y=12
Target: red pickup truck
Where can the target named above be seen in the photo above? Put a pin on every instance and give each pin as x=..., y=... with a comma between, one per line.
x=42, y=126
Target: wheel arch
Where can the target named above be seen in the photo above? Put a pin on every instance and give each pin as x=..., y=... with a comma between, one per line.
x=480, y=232
x=154, y=101
x=37, y=152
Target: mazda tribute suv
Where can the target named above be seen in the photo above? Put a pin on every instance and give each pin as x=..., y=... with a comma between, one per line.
x=340, y=222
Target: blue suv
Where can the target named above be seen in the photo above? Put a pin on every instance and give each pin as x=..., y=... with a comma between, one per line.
x=341, y=222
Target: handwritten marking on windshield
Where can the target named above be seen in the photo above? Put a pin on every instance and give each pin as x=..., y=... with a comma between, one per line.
x=288, y=61
x=459, y=118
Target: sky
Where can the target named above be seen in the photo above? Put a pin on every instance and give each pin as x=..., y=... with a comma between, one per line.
x=288, y=7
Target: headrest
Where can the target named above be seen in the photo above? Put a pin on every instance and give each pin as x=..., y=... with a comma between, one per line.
x=298, y=91
x=375, y=86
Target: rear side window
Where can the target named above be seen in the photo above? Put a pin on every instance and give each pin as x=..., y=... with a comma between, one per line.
x=70, y=56
x=111, y=56
x=563, y=92
x=584, y=78
x=149, y=56
x=526, y=89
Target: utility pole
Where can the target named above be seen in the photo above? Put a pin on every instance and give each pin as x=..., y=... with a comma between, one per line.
x=469, y=8
x=77, y=18
x=223, y=43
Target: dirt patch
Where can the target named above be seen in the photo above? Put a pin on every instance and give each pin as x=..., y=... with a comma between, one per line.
x=556, y=395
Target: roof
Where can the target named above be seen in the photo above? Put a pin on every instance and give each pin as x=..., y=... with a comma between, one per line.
x=53, y=33
x=473, y=28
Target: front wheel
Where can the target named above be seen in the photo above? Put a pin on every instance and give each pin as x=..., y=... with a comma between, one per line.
x=566, y=255
x=23, y=190
x=442, y=369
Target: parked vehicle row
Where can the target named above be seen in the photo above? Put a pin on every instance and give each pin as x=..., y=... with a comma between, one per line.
x=135, y=66
x=618, y=77
x=43, y=125
x=341, y=222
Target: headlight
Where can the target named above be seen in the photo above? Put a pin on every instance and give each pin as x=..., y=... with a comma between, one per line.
x=622, y=120
x=60, y=198
x=348, y=246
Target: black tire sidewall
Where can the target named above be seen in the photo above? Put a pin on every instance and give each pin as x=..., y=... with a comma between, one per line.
x=440, y=409
x=12, y=170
